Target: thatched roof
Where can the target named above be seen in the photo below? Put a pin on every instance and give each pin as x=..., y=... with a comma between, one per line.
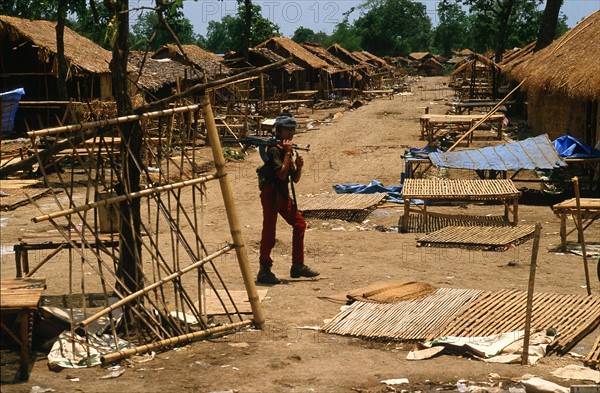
x=419, y=55
x=481, y=59
x=160, y=72
x=336, y=64
x=208, y=62
x=431, y=63
x=81, y=54
x=372, y=58
x=285, y=46
x=361, y=56
x=343, y=54
x=514, y=57
x=569, y=65
x=258, y=57
x=464, y=52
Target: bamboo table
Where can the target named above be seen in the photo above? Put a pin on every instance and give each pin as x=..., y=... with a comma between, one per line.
x=432, y=124
x=57, y=243
x=460, y=107
x=20, y=296
x=590, y=212
x=436, y=190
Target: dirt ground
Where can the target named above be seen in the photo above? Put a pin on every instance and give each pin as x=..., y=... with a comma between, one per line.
x=356, y=147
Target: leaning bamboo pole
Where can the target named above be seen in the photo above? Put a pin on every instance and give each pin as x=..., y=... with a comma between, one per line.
x=529, y=306
x=581, y=236
x=113, y=357
x=231, y=210
x=121, y=198
x=487, y=116
x=154, y=285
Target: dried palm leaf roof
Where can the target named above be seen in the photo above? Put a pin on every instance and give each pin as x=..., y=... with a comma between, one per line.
x=345, y=54
x=431, y=63
x=513, y=58
x=569, y=65
x=81, y=54
x=481, y=59
x=272, y=57
x=361, y=56
x=160, y=72
x=376, y=59
x=419, y=55
x=465, y=52
x=295, y=50
x=337, y=65
x=258, y=57
x=208, y=62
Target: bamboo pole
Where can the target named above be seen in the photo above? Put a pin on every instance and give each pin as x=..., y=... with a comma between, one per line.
x=529, y=307
x=487, y=116
x=121, y=198
x=155, y=285
x=113, y=357
x=231, y=209
x=580, y=235
x=46, y=259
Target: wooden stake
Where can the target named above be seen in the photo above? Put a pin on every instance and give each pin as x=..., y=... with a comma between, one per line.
x=580, y=235
x=532, y=267
x=231, y=210
x=115, y=356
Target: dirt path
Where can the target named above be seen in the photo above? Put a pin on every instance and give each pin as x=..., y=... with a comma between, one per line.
x=358, y=146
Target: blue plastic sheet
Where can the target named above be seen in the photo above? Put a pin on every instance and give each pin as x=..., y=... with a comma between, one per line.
x=394, y=193
x=531, y=153
x=569, y=147
x=9, y=102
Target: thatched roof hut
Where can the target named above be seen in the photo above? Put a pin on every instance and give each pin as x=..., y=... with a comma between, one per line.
x=344, y=55
x=420, y=56
x=335, y=64
x=376, y=60
x=207, y=62
x=431, y=67
x=562, y=82
x=28, y=52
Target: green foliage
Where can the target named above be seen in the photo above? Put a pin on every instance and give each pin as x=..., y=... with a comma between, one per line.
x=346, y=36
x=394, y=27
x=228, y=34
x=451, y=33
x=148, y=24
x=304, y=34
x=232, y=155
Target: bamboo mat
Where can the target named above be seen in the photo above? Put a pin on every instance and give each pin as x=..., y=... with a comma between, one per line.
x=593, y=358
x=19, y=197
x=573, y=316
x=350, y=207
x=458, y=188
x=411, y=320
x=486, y=236
x=419, y=223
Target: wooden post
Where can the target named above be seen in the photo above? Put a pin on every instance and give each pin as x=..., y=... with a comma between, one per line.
x=532, y=267
x=563, y=231
x=231, y=209
x=580, y=235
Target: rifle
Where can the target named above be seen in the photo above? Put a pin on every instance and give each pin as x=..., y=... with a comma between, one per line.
x=264, y=142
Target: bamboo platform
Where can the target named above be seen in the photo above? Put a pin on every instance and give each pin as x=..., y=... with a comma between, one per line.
x=20, y=197
x=493, y=237
x=593, y=358
x=419, y=223
x=349, y=207
x=461, y=189
x=17, y=293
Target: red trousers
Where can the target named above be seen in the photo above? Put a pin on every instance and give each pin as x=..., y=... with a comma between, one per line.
x=272, y=204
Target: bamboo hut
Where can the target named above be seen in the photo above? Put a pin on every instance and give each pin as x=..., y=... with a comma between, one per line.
x=316, y=68
x=29, y=60
x=420, y=57
x=562, y=83
x=339, y=74
x=475, y=77
x=431, y=67
x=209, y=64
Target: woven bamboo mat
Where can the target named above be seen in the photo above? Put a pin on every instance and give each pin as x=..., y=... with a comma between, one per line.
x=419, y=223
x=573, y=316
x=411, y=320
x=350, y=207
x=19, y=293
x=19, y=197
x=458, y=188
x=486, y=236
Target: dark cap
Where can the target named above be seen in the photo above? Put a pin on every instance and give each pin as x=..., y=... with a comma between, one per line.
x=285, y=122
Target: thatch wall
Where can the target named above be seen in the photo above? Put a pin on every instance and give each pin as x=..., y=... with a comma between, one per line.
x=81, y=54
x=550, y=114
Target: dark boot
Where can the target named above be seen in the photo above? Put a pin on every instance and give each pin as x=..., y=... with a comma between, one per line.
x=298, y=271
x=266, y=276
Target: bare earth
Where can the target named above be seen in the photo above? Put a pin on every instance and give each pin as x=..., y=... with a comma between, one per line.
x=358, y=146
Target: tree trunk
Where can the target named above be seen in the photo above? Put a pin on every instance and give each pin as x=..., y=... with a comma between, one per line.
x=548, y=26
x=61, y=79
x=129, y=269
x=503, y=18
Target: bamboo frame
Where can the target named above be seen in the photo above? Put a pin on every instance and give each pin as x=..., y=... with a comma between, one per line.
x=581, y=235
x=530, y=286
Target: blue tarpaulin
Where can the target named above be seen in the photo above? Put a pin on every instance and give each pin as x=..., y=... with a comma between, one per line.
x=569, y=147
x=531, y=153
x=9, y=102
x=375, y=187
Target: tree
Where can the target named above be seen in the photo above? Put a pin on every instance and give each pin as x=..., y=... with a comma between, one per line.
x=452, y=31
x=303, y=34
x=229, y=32
x=148, y=25
x=346, y=36
x=392, y=27
x=549, y=24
